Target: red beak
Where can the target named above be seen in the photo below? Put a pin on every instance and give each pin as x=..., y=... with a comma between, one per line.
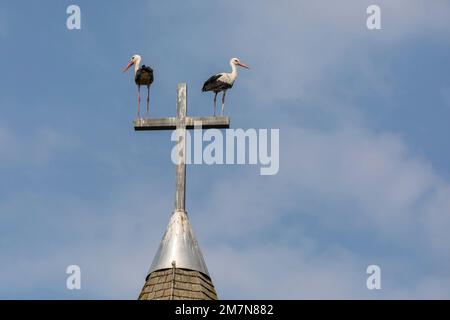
x=128, y=66
x=243, y=65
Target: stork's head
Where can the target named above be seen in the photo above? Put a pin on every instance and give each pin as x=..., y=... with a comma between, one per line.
x=237, y=62
x=136, y=59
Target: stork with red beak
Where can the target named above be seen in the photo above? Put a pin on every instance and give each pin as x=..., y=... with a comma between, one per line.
x=143, y=76
x=221, y=82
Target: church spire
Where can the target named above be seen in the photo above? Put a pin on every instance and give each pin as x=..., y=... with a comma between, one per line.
x=178, y=270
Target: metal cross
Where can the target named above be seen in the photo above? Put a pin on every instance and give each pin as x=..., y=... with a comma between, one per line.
x=181, y=122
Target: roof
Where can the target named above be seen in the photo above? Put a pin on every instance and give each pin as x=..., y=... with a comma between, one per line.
x=178, y=284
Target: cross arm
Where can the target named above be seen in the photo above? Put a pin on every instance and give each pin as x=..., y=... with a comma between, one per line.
x=170, y=123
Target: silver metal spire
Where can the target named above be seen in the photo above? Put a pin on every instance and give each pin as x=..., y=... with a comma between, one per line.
x=180, y=245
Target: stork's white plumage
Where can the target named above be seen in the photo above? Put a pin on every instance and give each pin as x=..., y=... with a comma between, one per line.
x=221, y=82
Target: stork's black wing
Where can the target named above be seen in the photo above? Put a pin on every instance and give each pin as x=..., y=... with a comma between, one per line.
x=147, y=68
x=213, y=84
x=144, y=76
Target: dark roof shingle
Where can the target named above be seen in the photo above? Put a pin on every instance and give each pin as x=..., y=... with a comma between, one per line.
x=187, y=285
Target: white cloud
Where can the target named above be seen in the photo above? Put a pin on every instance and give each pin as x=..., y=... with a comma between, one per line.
x=385, y=185
x=385, y=195
x=274, y=272
x=271, y=272
x=302, y=48
x=374, y=188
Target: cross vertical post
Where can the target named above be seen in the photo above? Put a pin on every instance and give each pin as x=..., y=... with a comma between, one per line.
x=180, y=194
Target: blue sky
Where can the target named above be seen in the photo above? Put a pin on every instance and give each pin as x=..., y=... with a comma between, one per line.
x=364, y=159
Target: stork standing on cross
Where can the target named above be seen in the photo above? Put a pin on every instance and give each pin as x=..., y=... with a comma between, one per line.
x=143, y=76
x=221, y=82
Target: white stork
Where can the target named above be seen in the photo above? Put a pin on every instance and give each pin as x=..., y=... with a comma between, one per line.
x=223, y=81
x=143, y=76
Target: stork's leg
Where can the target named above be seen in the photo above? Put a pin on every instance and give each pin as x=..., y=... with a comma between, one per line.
x=148, y=101
x=223, y=100
x=215, y=102
x=139, y=101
